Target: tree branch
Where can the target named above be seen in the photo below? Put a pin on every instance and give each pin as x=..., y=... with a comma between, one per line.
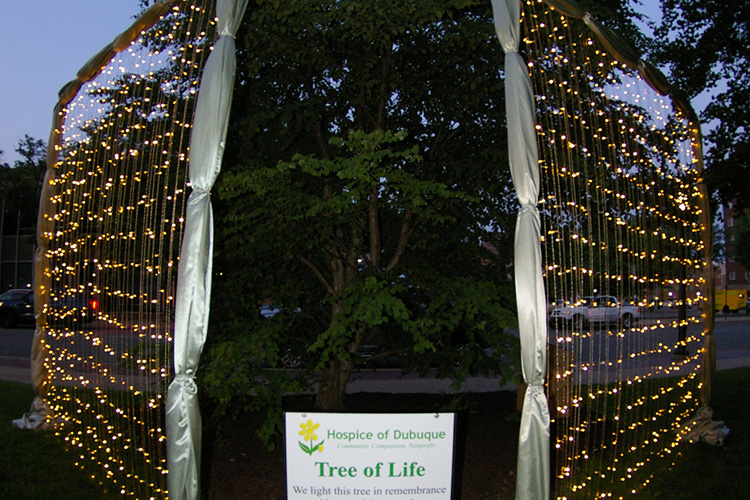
x=363, y=105
x=407, y=229
x=322, y=144
x=319, y=275
x=373, y=219
x=338, y=270
x=355, y=250
x=385, y=75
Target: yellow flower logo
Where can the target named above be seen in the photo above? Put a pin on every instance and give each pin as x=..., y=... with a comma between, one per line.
x=308, y=434
x=308, y=430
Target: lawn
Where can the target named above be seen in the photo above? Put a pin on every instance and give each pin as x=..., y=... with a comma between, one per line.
x=36, y=465
x=715, y=472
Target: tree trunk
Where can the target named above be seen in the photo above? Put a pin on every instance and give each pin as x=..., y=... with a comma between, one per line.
x=333, y=379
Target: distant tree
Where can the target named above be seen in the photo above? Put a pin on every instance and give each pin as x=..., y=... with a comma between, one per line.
x=621, y=16
x=20, y=184
x=706, y=46
x=32, y=152
x=365, y=174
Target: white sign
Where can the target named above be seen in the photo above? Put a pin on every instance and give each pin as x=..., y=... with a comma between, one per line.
x=355, y=456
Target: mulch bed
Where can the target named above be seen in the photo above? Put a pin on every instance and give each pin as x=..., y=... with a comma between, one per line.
x=487, y=441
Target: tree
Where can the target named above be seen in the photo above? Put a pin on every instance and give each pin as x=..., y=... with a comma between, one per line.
x=365, y=176
x=20, y=185
x=706, y=46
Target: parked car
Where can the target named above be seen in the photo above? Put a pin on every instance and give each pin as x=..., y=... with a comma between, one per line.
x=555, y=304
x=72, y=304
x=65, y=305
x=604, y=309
x=16, y=306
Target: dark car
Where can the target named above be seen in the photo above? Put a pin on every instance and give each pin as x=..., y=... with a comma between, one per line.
x=16, y=306
x=68, y=305
x=65, y=306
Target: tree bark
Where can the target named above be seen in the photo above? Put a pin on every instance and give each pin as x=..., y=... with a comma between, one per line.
x=407, y=228
x=333, y=380
x=335, y=373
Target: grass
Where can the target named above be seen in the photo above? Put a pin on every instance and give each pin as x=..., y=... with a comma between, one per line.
x=719, y=468
x=715, y=472
x=36, y=465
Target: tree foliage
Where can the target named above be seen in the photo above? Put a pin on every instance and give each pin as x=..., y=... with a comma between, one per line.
x=706, y=45
x=622, y=16
x=21, y=183
x=365, y=174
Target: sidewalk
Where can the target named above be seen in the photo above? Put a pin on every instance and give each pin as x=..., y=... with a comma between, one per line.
x=18, y=370
x=15, y=369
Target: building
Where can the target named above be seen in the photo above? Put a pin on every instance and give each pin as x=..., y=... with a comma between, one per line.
x=17, y=259
x=731, y=274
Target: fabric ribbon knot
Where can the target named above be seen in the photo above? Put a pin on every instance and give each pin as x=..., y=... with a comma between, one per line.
x=529, y=208
x=187, y=383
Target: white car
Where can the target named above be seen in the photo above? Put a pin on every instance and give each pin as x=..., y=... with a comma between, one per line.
x=596, y=309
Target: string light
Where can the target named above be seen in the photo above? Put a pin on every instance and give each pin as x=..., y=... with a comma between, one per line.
x=118, y=214
x=620, y=209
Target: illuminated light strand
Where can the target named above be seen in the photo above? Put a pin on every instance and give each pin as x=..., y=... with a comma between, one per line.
x=118, y=211
x=621, y=213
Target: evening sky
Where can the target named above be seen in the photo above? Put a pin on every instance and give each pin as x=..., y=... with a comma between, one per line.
x=43, y=44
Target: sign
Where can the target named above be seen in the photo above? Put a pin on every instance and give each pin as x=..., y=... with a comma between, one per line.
x=366, y=456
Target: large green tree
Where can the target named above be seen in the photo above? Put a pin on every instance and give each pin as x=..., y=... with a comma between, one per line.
x=706, y=46
x=364, y=184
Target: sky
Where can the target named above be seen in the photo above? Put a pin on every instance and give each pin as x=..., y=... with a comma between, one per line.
x=43, y=44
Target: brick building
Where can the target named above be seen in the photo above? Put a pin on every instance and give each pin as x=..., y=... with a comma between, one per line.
x=731, y=274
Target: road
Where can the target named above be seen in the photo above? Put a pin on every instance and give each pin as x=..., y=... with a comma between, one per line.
x=15, y=342
x=99, y=350
x=604, y=354
x=732, y=337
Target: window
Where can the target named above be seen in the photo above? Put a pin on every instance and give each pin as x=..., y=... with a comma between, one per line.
x=732, y=276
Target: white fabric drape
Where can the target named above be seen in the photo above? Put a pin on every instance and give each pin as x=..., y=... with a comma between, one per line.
x=194, y=275
x=533, y=445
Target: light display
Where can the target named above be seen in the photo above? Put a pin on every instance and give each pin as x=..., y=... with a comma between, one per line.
x=114, y=223
x=621, y=215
